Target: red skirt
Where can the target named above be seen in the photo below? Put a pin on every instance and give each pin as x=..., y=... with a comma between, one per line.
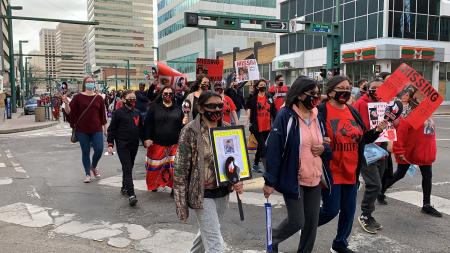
x=159, y=166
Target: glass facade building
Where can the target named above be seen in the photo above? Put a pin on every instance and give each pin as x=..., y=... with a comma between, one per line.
x=376, y=36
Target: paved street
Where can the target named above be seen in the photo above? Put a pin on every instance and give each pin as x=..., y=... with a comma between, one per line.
x=45, y=206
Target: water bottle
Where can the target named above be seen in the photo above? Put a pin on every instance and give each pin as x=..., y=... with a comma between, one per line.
x=412, y=170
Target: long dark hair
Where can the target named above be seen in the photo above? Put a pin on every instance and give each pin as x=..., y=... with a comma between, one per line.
x=334, y=82
x=83, y=87
x=255, y=86
x=198, y=81
x=300, y=86
x=205, y=96
x=159, y=98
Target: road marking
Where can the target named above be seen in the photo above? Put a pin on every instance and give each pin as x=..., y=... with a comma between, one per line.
x=2, y=165
x=435, y=184
x=20, y=170
x=14, y=164
x=9, y=156
x=360, y=242
x=119, y=235
x=416, y=198
x=5, y=180
x=33, y=193
x=249, y=198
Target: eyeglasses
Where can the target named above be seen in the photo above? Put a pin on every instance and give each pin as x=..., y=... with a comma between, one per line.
x=167, y=93
x=213, y=106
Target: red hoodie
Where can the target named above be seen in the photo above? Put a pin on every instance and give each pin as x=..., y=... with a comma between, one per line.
x=363, y=109
x=417, y=145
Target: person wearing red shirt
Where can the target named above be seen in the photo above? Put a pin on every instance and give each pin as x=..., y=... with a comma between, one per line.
x=347, y=135
x=406, y=152
x=229, y=108
x=278, y=92
x=260, y=111
x=87, y=114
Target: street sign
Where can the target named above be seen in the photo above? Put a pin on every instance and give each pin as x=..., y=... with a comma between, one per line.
x=276, y=25
x=321, y=28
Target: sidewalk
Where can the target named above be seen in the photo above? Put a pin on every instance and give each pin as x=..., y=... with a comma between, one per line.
x=22, y=123
x=443, y=110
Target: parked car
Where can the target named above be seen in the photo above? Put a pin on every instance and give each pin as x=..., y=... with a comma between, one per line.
x=30, y=106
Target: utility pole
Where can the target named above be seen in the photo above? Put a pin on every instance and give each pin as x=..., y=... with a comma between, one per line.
x=127, y=74
x=21, y=70
x=27, y=80
x=115, y=68
x=12, y=77
x=157, y=53
x=205, y=35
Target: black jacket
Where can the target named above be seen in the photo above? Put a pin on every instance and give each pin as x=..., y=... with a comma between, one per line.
x=236, y=96
x=368, y=136
x=163, y=124
x=142, y=100
x=124, y=128
x=251, y=105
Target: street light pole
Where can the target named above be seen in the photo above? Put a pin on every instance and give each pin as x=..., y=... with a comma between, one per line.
x=12, y=77
x=27, y=84
x=115, y=68
x=21, y=69
x=128, y=74
x=157, y=53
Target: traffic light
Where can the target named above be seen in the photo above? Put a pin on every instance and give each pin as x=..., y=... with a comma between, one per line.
x=323, y=73
x=229, y=22
x=191, y=19
x=336, y=58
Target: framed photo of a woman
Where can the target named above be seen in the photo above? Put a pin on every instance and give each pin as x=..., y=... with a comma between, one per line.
x=230, y=154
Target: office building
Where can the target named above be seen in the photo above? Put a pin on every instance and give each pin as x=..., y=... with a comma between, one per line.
x=125, y=32
x=4, y=48
x=180, y=46
x=69, y=45
x=47, y=40
x=377, y=36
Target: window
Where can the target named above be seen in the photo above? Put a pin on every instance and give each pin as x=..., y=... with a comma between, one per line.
x=300, y=8
x=445, y=29
x=361, y=28
x=391, y=4
x=391, y=18
x=361, y=7
x=433, y=28
x=328, y=16
x=318, y=16
x=292, y=9
x=349, y=10
x=292, y=43
x=308, y=42
x=328, y=4
x=434, y=7
x=398, y=31
x=381, y=5
x=409, y=6
x=300, y=42
x=421, y=30
x=349, y=31
x=284, y=44
x=398, y=5
x=318, y=5
x=422, y=7
x=284, y=10
x=372, y=24
x=309, y=6
x=317, y=41
x=409, y=25
x=373, y=6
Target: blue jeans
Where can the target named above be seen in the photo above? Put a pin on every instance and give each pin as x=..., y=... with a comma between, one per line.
x=342, y=201
x=86, y=141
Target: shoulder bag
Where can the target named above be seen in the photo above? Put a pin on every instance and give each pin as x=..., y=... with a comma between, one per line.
x=73, y=137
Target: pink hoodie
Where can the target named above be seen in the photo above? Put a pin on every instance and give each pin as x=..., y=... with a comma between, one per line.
x=310, y=167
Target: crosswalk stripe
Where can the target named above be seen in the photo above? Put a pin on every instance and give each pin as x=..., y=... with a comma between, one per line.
x=416, y=198
x=360, y=242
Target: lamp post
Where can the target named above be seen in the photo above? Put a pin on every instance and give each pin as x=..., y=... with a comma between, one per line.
x=128, y=74
x=12, y=77
x=22, y=86
x=27, y=81
x=157, y=53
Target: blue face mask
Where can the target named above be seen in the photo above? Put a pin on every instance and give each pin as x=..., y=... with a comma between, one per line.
x=90, y=86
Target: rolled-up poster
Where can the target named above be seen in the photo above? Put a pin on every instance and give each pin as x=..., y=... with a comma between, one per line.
x=268, y=208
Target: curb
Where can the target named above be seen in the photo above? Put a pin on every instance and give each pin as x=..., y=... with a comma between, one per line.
x=25, y=129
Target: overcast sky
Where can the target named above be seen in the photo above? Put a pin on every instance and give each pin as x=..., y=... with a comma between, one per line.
x=29, y=30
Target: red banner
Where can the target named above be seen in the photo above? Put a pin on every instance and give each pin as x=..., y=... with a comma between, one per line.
x=210, y=67
x=423, y=98
x=165, y=75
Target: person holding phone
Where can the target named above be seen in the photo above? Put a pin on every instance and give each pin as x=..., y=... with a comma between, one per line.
x=124, y=132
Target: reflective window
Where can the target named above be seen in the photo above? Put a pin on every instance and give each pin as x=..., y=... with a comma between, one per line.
x=300, y=8
x=372, y=26
x=398, y=5
x=328, y=16
x=434, y=7
x=409, y=6
x=349, y=10
x=421, y=30
x=433, y=28
x=373, y=6
x=292, y=43
x=408, y=25
x=300, y=42
x=349, y=31
x=361, y=7
x=309, y=6
x=422, y=7
x=308, y=42
x=317, y=41
x=284, y=44
x=361, y=28
x=292, y=9
x=445, y=29
x=318, y=16
x=398, y=16
x=328, y=4
x=284, y=8
x=318, y=5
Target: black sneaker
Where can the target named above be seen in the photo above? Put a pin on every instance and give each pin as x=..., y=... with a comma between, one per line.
x=124, y=192
x=377, y=225
x=132, y=200
x=428, y=209
x=382, y=199
x=367, y=224
x=340, y=249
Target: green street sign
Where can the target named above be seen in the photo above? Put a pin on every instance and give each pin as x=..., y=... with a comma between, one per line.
x=321, y=28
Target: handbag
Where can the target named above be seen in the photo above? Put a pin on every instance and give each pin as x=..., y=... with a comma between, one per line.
x=73, y=137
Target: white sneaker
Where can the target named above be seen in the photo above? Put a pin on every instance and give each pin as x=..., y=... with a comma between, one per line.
x=87, y=179
x=95, y=173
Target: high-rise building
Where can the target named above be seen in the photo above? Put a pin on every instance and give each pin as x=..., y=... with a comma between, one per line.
x=377, y=36
x=69, y=45
x=47, y=39
x=4, y=47
x=125, y=32
x=180, y=46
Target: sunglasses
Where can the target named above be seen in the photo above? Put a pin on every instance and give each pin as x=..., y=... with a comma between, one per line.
x=213, y=106
x=167, y=93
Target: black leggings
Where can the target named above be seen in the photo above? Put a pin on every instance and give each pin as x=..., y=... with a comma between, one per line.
x=261, y=138
x=400, y=173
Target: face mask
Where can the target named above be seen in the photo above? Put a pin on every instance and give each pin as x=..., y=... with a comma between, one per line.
x=90, y=86
x=372, y=95
x=310, y=102
x=280, y=83
x=342, y=96
x=213, y=116
x=167, y=97
x=262, y=89
x=130, y=102
x=204, y=87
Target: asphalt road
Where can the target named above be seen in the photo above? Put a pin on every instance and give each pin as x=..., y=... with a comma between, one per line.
x=45, y=207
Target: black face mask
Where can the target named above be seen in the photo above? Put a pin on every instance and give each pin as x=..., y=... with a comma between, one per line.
x=204, y=87
x=342, y=97
x=213, y=116
x=262, y=89
x=310, y=102
x=372, y=95
x=280, y=84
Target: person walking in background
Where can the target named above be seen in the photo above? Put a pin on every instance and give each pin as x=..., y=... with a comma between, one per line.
x=162, y=130
x=142, y=100
x=202, y=84
x=348, y=136
x=406, y=154
x=278, y=92
x=373, y=173
x=235, y=93
x=68, y=98
x=87, y=114
x=362, y=85
x=124, y=132
x=195, y=184
x=260, y=112
x=229, y=108
x=294, y=165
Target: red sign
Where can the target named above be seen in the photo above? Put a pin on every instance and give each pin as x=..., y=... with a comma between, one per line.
x=423, y=98
x=210, y=67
